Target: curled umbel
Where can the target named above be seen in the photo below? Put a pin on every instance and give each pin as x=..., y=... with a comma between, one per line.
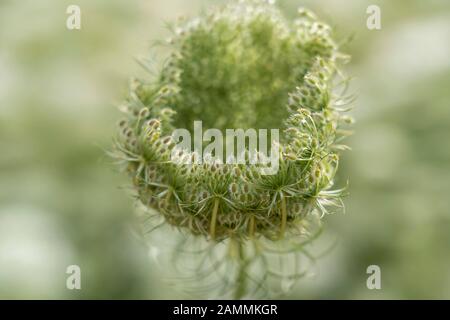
x=243, y=66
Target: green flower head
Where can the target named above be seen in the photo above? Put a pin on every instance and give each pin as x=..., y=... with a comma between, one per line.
x=245, y=66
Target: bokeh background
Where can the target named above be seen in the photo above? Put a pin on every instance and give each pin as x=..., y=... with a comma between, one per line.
x=63, y=203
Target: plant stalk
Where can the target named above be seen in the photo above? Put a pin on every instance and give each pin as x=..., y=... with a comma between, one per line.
x=251, y=228
x=283, y=217
x=212, y=228
x=241, y=280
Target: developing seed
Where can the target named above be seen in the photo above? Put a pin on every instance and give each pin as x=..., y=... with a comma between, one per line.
x=123, y=123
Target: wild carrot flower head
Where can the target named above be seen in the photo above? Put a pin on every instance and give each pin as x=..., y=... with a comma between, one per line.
x=240, y=66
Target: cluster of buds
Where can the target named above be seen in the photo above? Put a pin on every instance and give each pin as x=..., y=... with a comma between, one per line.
x=240, y=66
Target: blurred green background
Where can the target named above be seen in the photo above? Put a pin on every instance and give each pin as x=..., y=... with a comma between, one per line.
x=63, y=203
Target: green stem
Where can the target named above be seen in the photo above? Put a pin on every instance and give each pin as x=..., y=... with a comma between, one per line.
x=241, y=281
x=283, y=217
x=169, y=195
x=251, y=228
x=212, y=228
